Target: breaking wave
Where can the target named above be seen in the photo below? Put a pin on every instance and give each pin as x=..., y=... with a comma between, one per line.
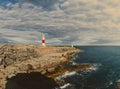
x=70, y=75
x=67, y=86
x=65, y=75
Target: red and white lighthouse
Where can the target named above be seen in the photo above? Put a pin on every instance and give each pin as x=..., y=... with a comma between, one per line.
x=43, y=40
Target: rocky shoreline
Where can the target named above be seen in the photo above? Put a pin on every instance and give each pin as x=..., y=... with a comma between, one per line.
x=48, y=61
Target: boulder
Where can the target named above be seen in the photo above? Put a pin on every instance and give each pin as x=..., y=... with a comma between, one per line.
x=50, y=70
x=26, y=67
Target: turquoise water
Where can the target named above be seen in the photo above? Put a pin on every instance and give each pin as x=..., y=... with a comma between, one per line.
x=106, y=59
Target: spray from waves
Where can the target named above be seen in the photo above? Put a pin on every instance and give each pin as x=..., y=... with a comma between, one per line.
x=70, y=76
x=108, y=84
x=65, y=75
x=68, y=86
x=94, y=67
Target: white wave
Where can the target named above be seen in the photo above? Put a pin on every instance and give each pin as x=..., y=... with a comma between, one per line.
x=67, y=86
x=95, y=67
x=68, y=74
x=65, y=75
x=97, y=64
x=118, y=80
x=109, y=84
x=73, y=63
x=74, y=57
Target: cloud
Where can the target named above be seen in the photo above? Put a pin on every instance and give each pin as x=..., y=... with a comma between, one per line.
x=79, y=22
x=45, y=4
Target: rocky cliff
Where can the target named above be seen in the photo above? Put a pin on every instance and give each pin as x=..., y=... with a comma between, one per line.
x=29, y=58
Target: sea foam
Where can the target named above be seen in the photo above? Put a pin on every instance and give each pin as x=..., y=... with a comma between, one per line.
x=94, y=67
x=67, y=86
x=66, y=74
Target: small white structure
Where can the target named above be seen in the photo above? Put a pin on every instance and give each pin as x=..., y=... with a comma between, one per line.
x=72, y=45
x=43, y=40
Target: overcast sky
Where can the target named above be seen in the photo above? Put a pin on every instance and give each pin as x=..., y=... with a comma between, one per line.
x=78, y=22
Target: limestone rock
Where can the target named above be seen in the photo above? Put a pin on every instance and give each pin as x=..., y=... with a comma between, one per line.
x=37, y=66
x=12, y=53
x=25, y=58
x=26, y=67
x=43, y=72
x=51, y=70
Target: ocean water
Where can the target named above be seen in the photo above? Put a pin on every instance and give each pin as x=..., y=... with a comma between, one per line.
x=106, y=71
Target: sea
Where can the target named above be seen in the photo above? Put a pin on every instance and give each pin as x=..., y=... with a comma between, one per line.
x=104, y=74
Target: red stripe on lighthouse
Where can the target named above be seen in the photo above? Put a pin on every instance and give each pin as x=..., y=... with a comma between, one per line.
x=43, y=40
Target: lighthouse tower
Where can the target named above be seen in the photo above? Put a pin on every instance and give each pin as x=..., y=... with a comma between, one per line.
x=43, y=40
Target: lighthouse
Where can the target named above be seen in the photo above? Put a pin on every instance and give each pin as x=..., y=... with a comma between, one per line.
x=43, y=40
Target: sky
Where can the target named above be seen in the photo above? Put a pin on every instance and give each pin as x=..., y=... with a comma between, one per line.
x=64, y=22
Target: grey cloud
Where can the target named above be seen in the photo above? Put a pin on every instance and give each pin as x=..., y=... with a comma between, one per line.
x=4, y=40
x=101, y=41
x=75, y=22
x=45, y=4
x=52, y=31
